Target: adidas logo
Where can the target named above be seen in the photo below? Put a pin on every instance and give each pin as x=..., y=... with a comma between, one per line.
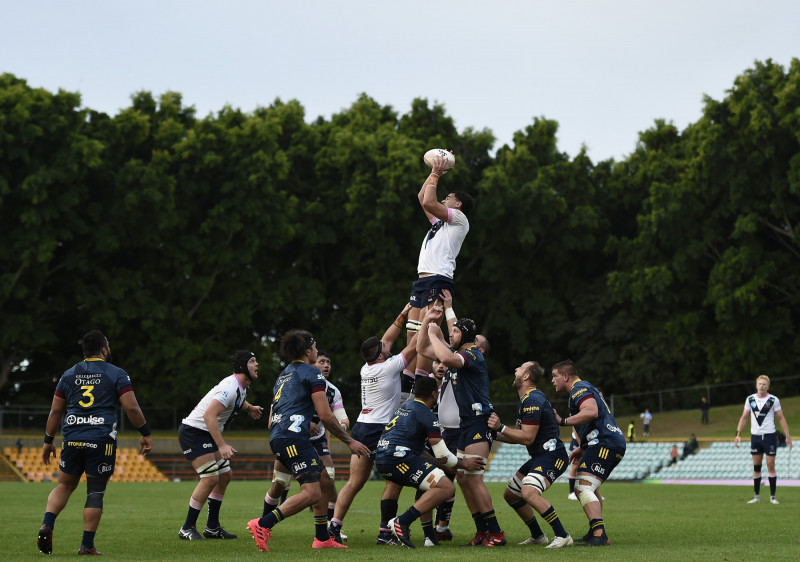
x=477, y=436
x=539, y=468
x=583, y=465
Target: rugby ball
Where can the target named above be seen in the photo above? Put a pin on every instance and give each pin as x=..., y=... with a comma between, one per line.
x=434, y=152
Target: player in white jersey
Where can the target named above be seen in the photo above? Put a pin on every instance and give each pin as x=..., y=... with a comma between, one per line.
x=380, y=397
x=763, y=408
x=200, y=437
x=437, y=256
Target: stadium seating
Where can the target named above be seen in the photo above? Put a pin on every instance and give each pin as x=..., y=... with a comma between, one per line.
x=651, y=460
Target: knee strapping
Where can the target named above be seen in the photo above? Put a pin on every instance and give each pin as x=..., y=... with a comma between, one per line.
x=282, y=478
x=432, y=479
x=586, y=493
x=468, y=456
x=331, y=471
x=515, y=486
x=208, y=470
x=537, y=482
x=95, y=490
x=223, y=466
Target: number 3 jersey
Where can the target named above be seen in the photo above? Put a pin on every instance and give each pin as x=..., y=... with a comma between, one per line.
x=292, y=407
x=91, y=390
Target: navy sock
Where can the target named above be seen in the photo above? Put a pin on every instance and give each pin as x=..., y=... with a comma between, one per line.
x=552, y=517
x=572, y=485
x=533, y=525
x=757, y=484
x=88, y=539
x=409, y=516
x=321, y=527
x=444, y=511
x=272, y=518
x=213, y=512
x=191, y=517
x=427, y=529
x=491, y=522
x=480, y=524
x=596, y=524
x=49, y=519
x=773, y=485
x=388, y=511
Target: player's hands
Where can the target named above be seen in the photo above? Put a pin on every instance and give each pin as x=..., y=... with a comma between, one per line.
x=737, y=440
x=312, y=429
x=255, y=412
x=48, y=450
x=447, y=298
x=434, y=313
x=789, y=442
x=145, y=444
x=494, y=421
x=558, y=418
x=358, y=448
x=227, y=451
x=575, y=456
x=406, y=309
x=438, y=165
x=472, y=463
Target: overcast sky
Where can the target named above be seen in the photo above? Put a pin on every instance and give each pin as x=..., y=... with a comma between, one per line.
x=603, y=69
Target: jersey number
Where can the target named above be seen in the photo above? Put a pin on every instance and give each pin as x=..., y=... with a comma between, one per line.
x=87, y=392
x=297, y=419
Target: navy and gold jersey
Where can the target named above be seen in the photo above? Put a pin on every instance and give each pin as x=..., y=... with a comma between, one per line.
x=534, y=409
x=471, y=385
x=91, y=390
x=292, y=407
x=412, y=424
x=602, y=430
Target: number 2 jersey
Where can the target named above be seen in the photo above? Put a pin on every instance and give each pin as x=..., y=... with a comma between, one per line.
x=91, y=390
x=292, y=406
x=602, y=430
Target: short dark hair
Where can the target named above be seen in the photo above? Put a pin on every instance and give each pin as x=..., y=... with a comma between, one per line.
x=294, y=344
x=371, y=347
x=566, y=366
x=322, y=353
x=93, y=342
x=467, y=202
x=424, y=386
x=535, y=371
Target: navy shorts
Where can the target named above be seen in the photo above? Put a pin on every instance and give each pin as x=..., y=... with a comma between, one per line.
x=368, y=434
x=195, y=442
x=551, y=465
x=600, y=461
x=451, y=437
x=95, y=458
x=426, y=290
x=475, y=430
x=764, y=444
x=321, y=447
x=409, y=470
x=298, y=455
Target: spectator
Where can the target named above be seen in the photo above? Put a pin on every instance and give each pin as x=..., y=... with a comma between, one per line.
x=646, y=419
x=704, y=407
x=690, y=447
x=673, y=455
x=631, y=432
x=19, y=446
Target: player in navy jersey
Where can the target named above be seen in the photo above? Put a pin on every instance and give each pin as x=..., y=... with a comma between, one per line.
x=86, y=398
x=200, y=437
x=763, y=409
x=399, y=457
x=299, y=392
x=537, y=429
x=602, y=445
x=471, y=389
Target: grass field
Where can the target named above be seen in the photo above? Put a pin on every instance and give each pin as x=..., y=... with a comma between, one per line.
x=644, y=522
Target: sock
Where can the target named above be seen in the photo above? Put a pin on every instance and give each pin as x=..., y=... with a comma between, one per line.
x=572, y=485
x=214, y=503
x=440, y=529
x=270, y=503
x=272, y=518
x=388, y=512
x=49, y=519
x=491, y=522
x=331, y=507
x=284, y=494
x=445, y=510
x=194, y=512
x=409, y=516
x=552, y=517
x=533, y=525
x=427, y=529
x=757, y=484
x=773, y=484
x=88, y=539
x=321, y=527
x=596, y=524
x=480, y=524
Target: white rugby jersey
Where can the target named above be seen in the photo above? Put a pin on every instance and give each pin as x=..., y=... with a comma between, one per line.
x=335, y=400
x=762, y=413
x=448, y=407
x=230, y=392
x=380, y=389
x=442, y=244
